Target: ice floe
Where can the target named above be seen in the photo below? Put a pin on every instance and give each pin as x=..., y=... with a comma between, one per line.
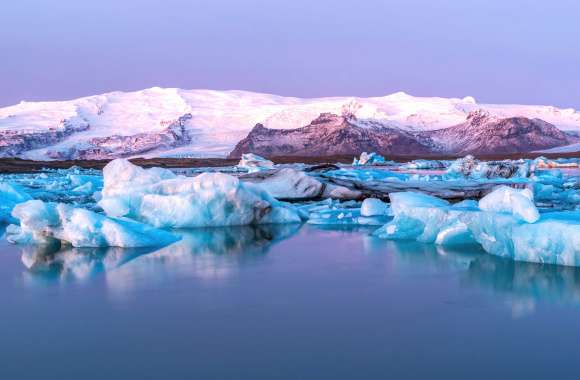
x=294, y=185
x=254, y=163
x=469, y=167
x=505, y=223
x=369, y=159
x=45, y=223
x=374, y=207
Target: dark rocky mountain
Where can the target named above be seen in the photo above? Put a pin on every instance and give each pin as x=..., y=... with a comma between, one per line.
x=485, y=134
x=330, y=134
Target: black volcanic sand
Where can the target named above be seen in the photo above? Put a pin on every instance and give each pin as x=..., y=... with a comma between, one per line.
x=16, y=165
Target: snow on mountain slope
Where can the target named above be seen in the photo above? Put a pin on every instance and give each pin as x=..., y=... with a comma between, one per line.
x=97, y=126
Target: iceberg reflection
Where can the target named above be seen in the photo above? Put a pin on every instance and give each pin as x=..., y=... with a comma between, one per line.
x=523, y=285
x=55, y=263
x=205, y=253
x=208, y=254
x=520, y=285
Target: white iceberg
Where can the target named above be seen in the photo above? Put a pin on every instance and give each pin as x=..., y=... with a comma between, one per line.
x=505, y=223
x=369, y=159
x=160, y=198
x=425, y=164
x=519, y=203
x=417, y=216
x=254, y=163
x=294, y=185
x=374, y=207
x=469, y=167
x=289, y=184
x=45, y=223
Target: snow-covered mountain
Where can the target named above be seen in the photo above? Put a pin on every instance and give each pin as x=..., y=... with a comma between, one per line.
x=175, y=122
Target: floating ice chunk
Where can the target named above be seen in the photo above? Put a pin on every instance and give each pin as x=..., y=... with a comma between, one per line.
x=254, y=163
x=43, y=223
x=374, y=207
x=469, y=167
x=416, y=216
x=294, y=185
x=290, y=184
x=330, y=212
x=335, y=216
x=340, y=192
x=504, y=229
x=553, y=239
x=85, y=184
x=10, y=196
x=425, y=164
x=520, y=203
x=158, y=197
x=369, y=159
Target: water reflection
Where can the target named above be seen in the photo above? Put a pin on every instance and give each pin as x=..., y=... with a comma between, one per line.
x=523, y=285
x=205, y=253
x=520, y=285
x=212, y=254
x=217, y=255
x=47, y=263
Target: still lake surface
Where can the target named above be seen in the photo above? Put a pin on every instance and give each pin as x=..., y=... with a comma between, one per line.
x=284, y=302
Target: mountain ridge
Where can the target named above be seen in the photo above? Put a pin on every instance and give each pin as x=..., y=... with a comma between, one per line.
x=219, y=120
x=330, y=134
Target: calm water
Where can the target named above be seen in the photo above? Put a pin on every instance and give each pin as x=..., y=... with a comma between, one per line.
x=284, y=303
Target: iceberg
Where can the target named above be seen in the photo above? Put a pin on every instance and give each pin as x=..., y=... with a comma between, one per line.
x=469, y=167
x=345, y=213
x=519, y=203
x=425, y=165
x=162, y=199
x=369, y=159
x=294, y=185
x=10, y=196
x=374, y=207
x=254, y=163
x=504, y=223
x=46, y=223
x=288, y=184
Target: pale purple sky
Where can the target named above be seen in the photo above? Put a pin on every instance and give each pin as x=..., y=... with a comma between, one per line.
x=495, y=50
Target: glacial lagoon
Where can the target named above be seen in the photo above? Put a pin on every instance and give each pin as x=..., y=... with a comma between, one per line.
x=284, y=302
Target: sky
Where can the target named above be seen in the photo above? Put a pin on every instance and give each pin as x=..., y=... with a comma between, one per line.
x=509, y=51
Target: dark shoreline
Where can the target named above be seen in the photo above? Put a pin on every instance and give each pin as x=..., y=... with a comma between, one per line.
x=16, y=165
